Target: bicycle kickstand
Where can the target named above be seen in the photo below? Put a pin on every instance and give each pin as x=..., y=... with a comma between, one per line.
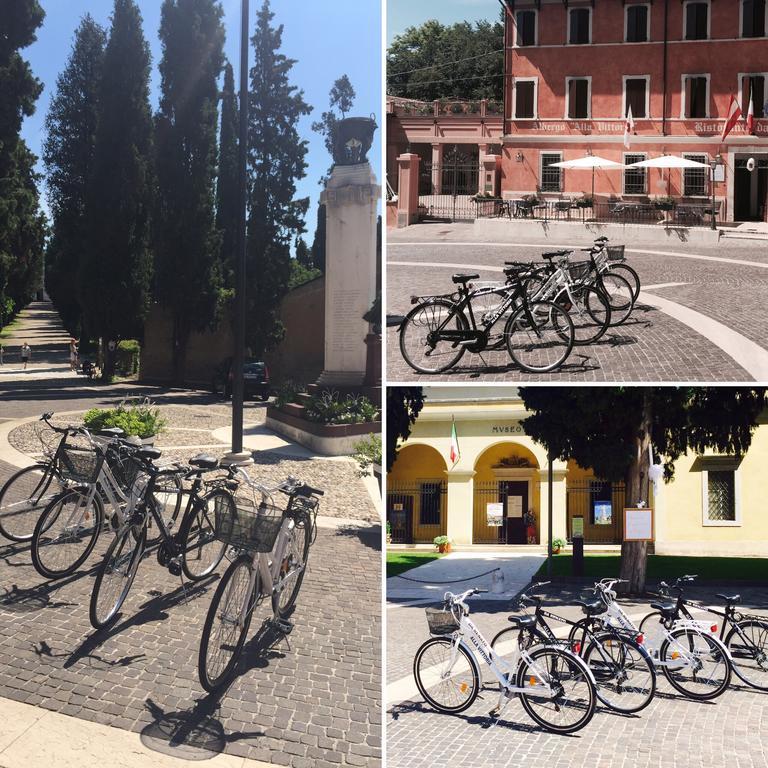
x=496, y=712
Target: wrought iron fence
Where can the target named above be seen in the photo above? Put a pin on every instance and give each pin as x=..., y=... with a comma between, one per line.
x=600, y=506
x=447, y=190
x=502, y=523
x=416, y=510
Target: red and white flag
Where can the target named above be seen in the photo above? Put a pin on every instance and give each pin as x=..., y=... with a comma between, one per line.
x=455, y=452
x=629, y=127
x=750, y=115
x=734, y=113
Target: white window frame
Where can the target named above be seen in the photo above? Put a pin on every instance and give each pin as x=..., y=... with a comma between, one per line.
x=720, y=464
x=624, y=157
x=568, y=24
x=535, y=81
x=741, y=23
x=568, y=79
x=740, y=83
x=647, y=79
x=686, y=3
x=683, y=105
x=559, y=153
x=535, y=11
x=707, y=174
x=647, y=21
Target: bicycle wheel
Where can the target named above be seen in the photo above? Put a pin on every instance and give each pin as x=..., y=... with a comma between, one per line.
x=167, y=493
x=66, y=533
x=619, y=294
x=447, y=679
x=419, y=349
x=293, y=566
x=509, y=640
x=23, y=498
x=227, y=622
x=116, y=574
x=625, y=677
x=201, y=550
x=590, y=313
x=568, y=701
x=652, y=629
x=629, y=275
x=696, y=664
x=541, y=341
x=749, y=648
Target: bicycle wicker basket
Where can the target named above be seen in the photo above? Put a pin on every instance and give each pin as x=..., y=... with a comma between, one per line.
x=79, y=461
x=579, y=270
x=615, y=253
x=441, y=621
x=253, y=528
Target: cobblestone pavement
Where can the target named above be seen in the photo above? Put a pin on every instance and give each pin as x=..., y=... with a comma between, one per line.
x=672, y=732
x=310, y=700
x=652, y=346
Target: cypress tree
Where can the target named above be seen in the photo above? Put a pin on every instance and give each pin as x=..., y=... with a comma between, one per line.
x=116, y=272
x=187, y=240
x=68, y=156
x=22, y=226
x=227, y=183
x=318, y=244
x=276, y=160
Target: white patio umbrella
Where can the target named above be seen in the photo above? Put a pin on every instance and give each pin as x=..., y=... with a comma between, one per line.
x=668, y=161
x=590, y=161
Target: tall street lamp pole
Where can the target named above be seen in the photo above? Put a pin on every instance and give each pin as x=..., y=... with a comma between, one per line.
x=713, y=163
x=239, y=351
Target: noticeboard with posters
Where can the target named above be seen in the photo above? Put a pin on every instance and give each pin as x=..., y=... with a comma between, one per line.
x=638, y=524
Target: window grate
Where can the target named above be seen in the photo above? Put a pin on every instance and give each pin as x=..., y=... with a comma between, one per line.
x=550, y=177
x=429, y=508
x=634, y=178
x=721, y=495
x=695, y=179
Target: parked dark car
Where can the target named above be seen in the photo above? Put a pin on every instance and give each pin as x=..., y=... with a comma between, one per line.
x=255, y=379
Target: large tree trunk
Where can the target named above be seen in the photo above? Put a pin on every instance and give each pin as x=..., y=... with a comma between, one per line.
x=634, y=553
x=180, y=341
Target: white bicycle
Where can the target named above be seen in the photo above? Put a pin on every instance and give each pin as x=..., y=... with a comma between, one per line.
x=556, y=688
x=694, y=661
x=270, y=549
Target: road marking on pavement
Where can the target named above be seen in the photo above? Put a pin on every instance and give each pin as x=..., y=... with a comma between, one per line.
x=744, y=262
x=663, y=285
x=750, y=356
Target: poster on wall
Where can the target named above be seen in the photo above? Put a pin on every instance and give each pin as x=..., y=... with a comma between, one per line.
x=577, y=527
x=514, y=506
x=494, y=513
x=638, y=524
x=603, y=513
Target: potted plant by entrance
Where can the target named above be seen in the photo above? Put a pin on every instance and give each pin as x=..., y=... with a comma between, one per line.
x=557, y=545
x=443, y=544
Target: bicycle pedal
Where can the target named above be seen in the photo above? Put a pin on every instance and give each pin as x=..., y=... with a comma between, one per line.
x=494, y=713
x=286, y=627
x=174, y=567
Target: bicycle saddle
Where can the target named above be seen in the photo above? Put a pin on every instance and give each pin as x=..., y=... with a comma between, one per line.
x=461, y=278
x=110, y=432
x=149, y=454
x=592, y=607
x=732, y=600
x=555, y=254
x=666, y=608
x=524, y=622
x=204, y=461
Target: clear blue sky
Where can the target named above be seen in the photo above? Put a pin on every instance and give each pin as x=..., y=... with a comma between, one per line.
x=402, y=14
x=327, y=38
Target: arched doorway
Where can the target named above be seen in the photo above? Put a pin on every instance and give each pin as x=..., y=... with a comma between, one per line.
x=506, y=496
x=416, y=496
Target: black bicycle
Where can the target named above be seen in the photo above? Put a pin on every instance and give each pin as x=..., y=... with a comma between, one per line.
x=437, y=332
x=747, y=639
x=195, y=550
x=624, y=674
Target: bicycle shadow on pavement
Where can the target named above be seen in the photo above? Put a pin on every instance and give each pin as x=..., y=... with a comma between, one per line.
x=155, y=609
x=191, y=734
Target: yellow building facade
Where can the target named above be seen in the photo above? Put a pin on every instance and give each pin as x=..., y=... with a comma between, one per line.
x=496, y=493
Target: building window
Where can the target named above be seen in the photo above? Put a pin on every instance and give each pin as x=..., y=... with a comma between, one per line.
x=634, y=178
x=695, y=96
x=695, y=179
x=579, y=26
x=636, y=92
x=636, y=30
x=525, y=22
x=525, y=99
x=720, y=491
x=754, y=86
x=753, y=18
x=551, y=178
x=429, y=507
x=696, y=21
x=578, y=98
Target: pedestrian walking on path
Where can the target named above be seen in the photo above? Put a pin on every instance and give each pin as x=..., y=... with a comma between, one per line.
x=73, y=355
x=26, y=354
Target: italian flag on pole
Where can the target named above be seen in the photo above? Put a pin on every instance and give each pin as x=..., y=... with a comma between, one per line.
x=455, y=452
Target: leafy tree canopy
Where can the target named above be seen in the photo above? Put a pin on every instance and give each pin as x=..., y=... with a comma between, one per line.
x=403, y=406
x=342, y=97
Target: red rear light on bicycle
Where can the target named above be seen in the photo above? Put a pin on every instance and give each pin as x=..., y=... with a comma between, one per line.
x=714, y=628
x=577, y=648
x=639, y=639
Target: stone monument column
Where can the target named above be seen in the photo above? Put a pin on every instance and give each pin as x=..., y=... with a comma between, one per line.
x=350, y=197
